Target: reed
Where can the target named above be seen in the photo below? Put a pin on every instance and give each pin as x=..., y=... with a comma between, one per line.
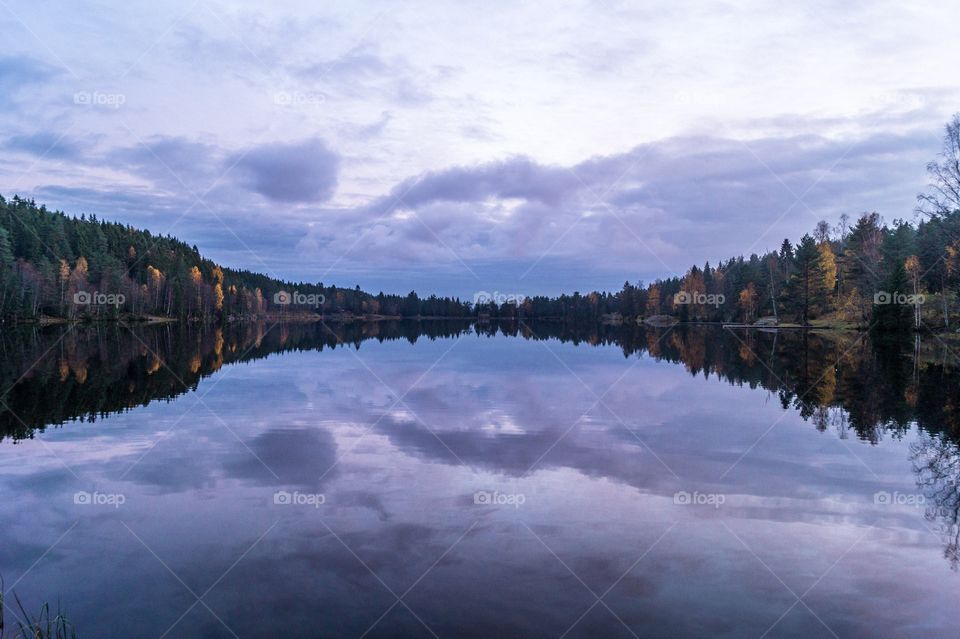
x=42, y=626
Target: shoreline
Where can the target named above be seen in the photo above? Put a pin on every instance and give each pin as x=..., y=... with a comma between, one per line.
x=661, y=322
x=299, y=319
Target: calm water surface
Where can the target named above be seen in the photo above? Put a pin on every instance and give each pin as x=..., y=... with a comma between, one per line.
x=273, y=481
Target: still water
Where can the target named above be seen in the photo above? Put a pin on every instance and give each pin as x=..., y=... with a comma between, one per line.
x=447, y=480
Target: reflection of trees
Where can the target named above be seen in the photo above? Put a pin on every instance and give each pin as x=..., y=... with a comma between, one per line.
x=873, y=386
x=936, y=461
x=845, y=381
x=56, y=374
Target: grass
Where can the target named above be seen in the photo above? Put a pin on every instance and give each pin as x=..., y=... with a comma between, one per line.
x=42, y=626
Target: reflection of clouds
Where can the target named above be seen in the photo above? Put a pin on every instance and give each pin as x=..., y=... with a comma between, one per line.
x=364, y=499
x=170, y=467
x=284, y=457
x=698, y=439
x=496, y=422
x=599, y=498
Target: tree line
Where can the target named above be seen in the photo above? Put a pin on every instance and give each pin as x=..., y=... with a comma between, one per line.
x=54, y=265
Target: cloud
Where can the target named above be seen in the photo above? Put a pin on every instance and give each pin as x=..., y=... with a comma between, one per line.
x=648, y=212
x=372, y=130
x=654, y=209
x=18, y=72
x=621, y=151
x=353, y=65
x=518, y=177
x=170, y=163
x=285, y=456
x=297, y=172
x=364, y=73
x=46, y=144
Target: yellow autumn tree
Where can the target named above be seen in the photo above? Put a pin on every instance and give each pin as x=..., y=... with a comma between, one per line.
x=828, y=262
x=155, y=283
x=196, y=279
x=695, y=288
x=653, y=300
x=217, y=288
x=63, y=276
x=78, y=278
x=748, y=301
x=258, y=301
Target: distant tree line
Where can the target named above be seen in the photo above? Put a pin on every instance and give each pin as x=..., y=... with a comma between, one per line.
x=59, y=266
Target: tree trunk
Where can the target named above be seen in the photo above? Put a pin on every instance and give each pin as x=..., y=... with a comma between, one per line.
x=944, y=291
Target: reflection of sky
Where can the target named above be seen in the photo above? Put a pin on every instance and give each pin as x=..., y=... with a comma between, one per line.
x=494, y=414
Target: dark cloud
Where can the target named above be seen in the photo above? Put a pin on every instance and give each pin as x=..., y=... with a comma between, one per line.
x=650, y=211
x=46, y=144
x=171, y=163
x=286, y=457
x=298, y=172
x=19, y=72
x=518, y=177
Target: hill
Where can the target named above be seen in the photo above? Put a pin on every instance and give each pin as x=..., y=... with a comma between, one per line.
x=56, y=266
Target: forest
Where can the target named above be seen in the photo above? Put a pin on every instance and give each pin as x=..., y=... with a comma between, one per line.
x=56, y=266
x=861, y=275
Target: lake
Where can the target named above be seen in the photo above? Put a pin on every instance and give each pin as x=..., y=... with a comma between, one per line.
x=450, y=480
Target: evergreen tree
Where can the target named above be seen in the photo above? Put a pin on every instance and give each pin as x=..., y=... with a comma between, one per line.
x=889, y=311
x=804, y=294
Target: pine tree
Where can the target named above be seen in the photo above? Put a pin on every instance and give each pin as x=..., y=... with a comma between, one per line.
x=889, y=313
x=804, y=294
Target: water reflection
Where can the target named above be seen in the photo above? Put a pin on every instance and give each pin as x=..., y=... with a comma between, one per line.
x=598, y=427
x=54, y=374
x=848, y=381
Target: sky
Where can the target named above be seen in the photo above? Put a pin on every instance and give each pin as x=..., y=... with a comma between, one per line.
x=453, y=148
